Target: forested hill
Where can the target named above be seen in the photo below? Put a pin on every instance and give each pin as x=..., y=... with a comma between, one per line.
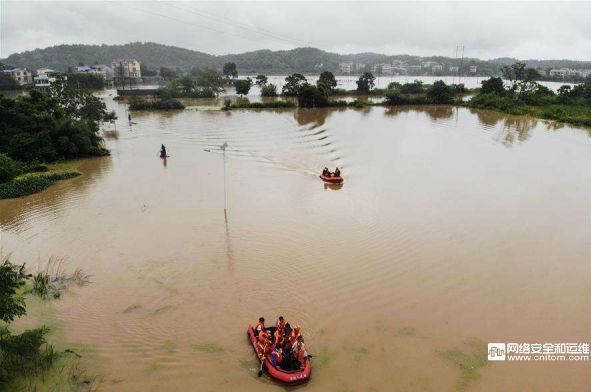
x=155, y=55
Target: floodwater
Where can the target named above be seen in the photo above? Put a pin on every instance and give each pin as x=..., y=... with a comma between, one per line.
x=453, y=228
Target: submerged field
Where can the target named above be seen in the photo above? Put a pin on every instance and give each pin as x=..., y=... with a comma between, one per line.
x=454, y=228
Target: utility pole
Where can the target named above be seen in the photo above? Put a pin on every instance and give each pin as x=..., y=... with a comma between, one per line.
x=461, y=65
x=223, y=148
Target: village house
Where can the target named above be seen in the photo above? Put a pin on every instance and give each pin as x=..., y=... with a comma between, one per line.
x=21, y=75
x=126, y=70
x=46, y=77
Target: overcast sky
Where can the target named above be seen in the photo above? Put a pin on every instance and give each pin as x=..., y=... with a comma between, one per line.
x=525, y=30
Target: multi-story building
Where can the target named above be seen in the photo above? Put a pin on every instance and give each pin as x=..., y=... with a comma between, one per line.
x=125, y=70
x=346, y=67
x=429, y=64
x=46, y=77
x=21, y=75
x=415, y=69
x=437, y=69
x=454, y=69
x=359, y=67
x=562, y=72
x=387, y=69
x=473, y=69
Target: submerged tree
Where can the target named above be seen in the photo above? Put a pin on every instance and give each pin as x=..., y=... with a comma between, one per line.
x=243, y=86
x=230, y=70
x=365, y=83
x=293, y=84
x=312, y=97
x=440, y=93
x=492, y=85
x=261, y=80
x=327, y=80
x=269, y=90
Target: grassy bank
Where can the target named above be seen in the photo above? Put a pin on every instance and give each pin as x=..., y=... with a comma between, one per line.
x=34, y=355
x=30, y=183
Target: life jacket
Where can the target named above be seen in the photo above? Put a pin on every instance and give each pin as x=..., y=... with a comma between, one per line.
x=277, y=357
x=301, y=355
x=293, y=337
x=263, y=336
x=278, y=336
x=280, y=325
x=259, y=326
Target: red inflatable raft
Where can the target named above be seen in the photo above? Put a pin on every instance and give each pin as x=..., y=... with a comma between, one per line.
x=332, y=180
x=285, y=376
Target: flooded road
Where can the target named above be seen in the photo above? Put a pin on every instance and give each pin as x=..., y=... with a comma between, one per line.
x=453, y=229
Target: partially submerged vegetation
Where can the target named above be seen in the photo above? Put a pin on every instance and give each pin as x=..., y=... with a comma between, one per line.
x=245, y=104
x=205, y=83
x=33, y=183
x=60, y=124
x=523, y=95
x=164, y=103
x=469, y=361
x=526, y=96
x=27, y=357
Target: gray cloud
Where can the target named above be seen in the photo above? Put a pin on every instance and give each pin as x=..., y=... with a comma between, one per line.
x=548, y=30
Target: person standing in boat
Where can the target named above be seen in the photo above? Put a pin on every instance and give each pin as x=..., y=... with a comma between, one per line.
x=163, y=152
x=260, y=326
x=280, y=323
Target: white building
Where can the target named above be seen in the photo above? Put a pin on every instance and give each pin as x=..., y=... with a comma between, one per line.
x=387, y=69
x=415, y=69
x=562, y=72
x=454, y=69
x=359, y=67
x=346, y=67
x=21, y=75
x=437, y=68
x=429, y=64
x=46, y=77
x=473, y=69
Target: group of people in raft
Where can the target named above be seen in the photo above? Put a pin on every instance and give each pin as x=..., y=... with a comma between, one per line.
x=285, y=345
x=327, y=173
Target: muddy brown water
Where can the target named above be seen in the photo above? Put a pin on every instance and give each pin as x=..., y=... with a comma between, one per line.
x=451, y=227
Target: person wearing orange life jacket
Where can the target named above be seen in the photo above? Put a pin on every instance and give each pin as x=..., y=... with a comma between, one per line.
x=260, y=326
x=278, y=338
x=293, y=337
x=262, y=349
x=264, y=336
x=280, y=323
x=299, y=351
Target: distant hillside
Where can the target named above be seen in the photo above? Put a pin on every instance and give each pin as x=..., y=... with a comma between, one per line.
x=156, y=55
